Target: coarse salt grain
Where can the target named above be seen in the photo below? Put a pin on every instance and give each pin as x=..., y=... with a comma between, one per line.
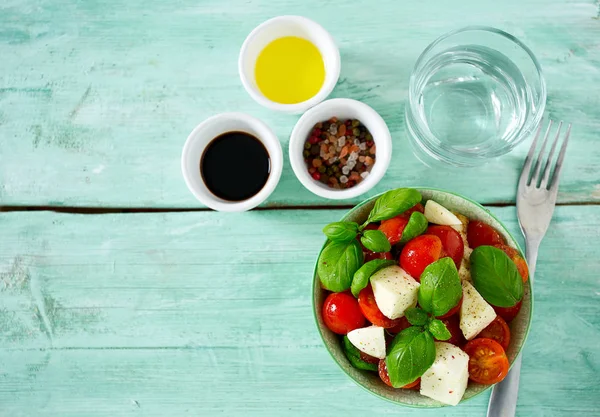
x=346, y=170
x=351, y=164
x=342, y=141
x=363, y=146
x=333, y=129
x=364, y=174
x=343, y=179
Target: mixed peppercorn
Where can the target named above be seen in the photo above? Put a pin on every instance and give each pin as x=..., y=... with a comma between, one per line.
x=338, y=153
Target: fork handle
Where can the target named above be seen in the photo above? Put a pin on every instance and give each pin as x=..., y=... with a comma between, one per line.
x=503, y=401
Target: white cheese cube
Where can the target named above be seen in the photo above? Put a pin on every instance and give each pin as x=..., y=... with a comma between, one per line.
x=446, y=380
x=475, y=313
x=464, y=272
x=438, y=214
x=370, y=340
x=395, y=291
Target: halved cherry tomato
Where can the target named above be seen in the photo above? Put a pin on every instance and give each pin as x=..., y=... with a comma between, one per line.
x=456, y=335
x=385, y=377
x=488, y=363
x=452, y=243
x=480, y=233
x=417, y=207
x=453, y=310
x=517, y=259
x=341, y=313
x=393, y=228
x=402, y=324
x=370, y=255
x=368, y=306
x=420, y=252
x=508, y=313
x=497, y=330
x=368, y=358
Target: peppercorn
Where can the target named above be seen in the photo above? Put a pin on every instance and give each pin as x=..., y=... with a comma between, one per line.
x=306, y=153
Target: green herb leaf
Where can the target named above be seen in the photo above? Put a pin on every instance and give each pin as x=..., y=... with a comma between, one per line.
x=411, y=353
x=416, y=316
x=337, y=264
x=417, y=224
x=496, y=277
x=440, y=288
x=341, y=231
x=375, y=241
x=393, y=203
x=361, y=277
x=353, y=355
x=438, y=330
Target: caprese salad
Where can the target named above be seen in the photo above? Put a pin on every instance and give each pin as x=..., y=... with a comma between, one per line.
x=421, y=295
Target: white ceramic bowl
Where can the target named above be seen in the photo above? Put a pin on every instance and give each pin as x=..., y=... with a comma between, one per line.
x=342, y=108
x=204, y=133
x=279, y=27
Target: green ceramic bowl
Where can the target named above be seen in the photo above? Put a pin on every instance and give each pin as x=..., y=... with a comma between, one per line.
x=370, y=381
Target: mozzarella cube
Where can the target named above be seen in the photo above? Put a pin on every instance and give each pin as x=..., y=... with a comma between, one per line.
x=369, y=340
x=464, y=272
x=438, y=214
x=475, y=313
x=395, y=291
x=446, y=380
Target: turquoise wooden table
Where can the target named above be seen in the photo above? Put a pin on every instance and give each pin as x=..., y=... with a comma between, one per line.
x=121, y=295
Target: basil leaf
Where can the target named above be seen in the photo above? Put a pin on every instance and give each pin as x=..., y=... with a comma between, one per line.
x=416, y=316
x=375, y=241
x=496, y=277
x=439, y=330
x=412, y=352
x=361, y=277
x=393, y=203
x=341, y=231
x=417, y=224
x=440, y=288
x=353, y=355
x=338, y=263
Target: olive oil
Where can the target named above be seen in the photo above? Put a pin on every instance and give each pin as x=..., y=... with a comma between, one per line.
x=290, y=70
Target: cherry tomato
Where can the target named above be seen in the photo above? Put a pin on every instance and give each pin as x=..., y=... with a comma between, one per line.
x=497, y=330
x=508, y=313
x=452, y=311
x=385, y=377
x=370, y=255
x=456, y=335
x=452, y=243
x=480, y=233
x=393, y=228
x=488, y=363
x=372, y=226
x=341, y=313
x=368, y=306
x=368, y=358
x=417, y=207
x=517, y=259
x=402, y=324
x=420, y=252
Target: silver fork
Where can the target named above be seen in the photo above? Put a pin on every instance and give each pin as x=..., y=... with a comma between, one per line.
x=536, y=198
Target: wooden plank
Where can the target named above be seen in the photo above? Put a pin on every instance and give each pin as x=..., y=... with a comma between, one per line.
x=94, y=109
x=200, y=313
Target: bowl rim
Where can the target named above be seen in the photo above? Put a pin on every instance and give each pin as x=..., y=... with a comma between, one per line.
x=526, y=129
x=366, y=388
x=383, y=154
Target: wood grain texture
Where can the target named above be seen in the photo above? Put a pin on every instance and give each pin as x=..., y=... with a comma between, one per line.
x=97, y=98
x=209, y=313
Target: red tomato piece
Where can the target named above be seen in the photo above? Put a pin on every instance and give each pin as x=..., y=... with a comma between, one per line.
x=497, y=330
x=370, y=255
x=385, y=377
x=368, y=358
x=488, y=363
x=341, y=313
x=517, y=259
x=480, y=233
x=452, y=243
x=456, y=335
x=402, y=324
x=417, y=207
x=453, y=310
x=393, y=228
x=368, y=306
x=420, y=252
x=508, y=313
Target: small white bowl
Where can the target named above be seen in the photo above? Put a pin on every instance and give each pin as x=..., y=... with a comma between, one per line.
x=279, y=27
x=204, y=133
x=342, y=108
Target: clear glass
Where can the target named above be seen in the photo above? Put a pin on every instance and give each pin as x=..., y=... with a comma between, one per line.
x=474, y=94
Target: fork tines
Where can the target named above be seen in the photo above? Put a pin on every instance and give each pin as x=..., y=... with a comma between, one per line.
x=530, y=176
